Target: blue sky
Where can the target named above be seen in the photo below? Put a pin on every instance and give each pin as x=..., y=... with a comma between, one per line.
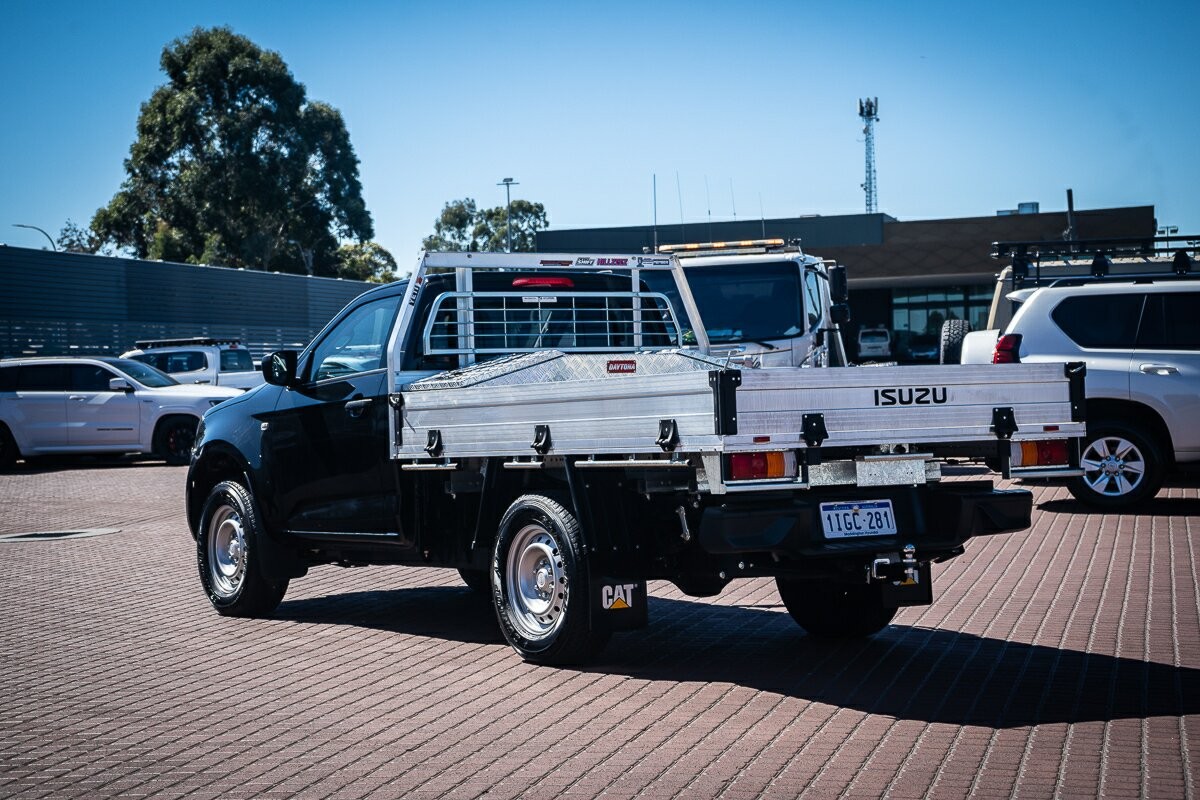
x=982, y=106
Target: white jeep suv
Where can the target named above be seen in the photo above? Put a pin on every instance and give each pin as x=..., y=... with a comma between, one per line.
x=65, y=405
x=1140, y=339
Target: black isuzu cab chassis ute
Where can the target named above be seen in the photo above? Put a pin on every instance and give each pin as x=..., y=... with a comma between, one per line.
x=537, y=423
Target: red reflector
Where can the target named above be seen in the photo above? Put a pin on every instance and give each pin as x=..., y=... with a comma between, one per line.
x=1052, y=452
x=747, y=466
x=1008, y=349
x=1049, y=428
x=761, y=439
x=543, y=283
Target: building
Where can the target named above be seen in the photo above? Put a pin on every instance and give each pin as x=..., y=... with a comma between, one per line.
x=75, y=304
x=906, y=276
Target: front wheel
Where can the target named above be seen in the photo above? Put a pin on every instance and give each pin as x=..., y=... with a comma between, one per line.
x=540, y=583
x=229, y=553
x=176, y=436
x=831, y=610
x=1122, y=466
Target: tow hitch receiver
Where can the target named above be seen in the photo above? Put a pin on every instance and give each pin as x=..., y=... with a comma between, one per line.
x=903, y=580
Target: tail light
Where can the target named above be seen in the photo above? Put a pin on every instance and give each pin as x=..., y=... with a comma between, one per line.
x=757, y=466
x=1008, y=349
x=1049, y=453
x=546, y=282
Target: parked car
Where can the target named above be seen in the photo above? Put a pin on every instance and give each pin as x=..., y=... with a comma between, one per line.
x=224, y=362
x=52, y=406
x=1140, y=339
x=874, y=343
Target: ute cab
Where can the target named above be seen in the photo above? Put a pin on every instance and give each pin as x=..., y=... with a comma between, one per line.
x=764, y=302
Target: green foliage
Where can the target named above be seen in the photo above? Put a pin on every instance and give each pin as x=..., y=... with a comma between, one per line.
x=463, y=226
x=366, y=261
x=233, y=165
x=76, y=239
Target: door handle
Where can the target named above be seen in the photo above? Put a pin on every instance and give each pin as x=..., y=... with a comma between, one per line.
x=77, y=397
x=355, y=408
x=1159, y=369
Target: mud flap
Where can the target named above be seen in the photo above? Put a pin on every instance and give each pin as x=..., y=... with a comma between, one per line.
x=618, y=604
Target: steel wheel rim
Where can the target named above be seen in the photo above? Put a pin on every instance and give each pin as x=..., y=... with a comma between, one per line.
x=1113, y=466
x=536, y=583
x=226, y=552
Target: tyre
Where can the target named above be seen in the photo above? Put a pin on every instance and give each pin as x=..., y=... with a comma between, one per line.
x=8, y=448
x=835, y=610
x=174, y=439
x=540, y=583
x=950, y=345
x=228, y=553
x=1122, y=465
x=477, y=580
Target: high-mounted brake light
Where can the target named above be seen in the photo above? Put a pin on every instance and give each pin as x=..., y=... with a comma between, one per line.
x=546, y=282
x=1008, y=349
x=756, y=466
x=1049, y=453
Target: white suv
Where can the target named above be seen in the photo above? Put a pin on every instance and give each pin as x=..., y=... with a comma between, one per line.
x=65, y=405
x=1140, y=340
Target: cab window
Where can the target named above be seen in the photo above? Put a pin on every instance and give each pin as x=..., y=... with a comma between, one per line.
x=357, y=343
x=90, y=378
x=236, y=361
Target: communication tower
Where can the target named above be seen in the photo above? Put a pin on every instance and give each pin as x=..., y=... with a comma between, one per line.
x=868, y=110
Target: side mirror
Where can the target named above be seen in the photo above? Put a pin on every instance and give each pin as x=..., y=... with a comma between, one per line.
x=839, y=313
x=119, y=385
x=279, y=368
x=839, y=286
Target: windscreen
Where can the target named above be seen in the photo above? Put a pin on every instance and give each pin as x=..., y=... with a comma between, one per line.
x=142, y=373
x=742, y=303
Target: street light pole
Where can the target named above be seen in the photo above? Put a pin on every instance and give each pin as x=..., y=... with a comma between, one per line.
x=508, y=183
x=39, y=230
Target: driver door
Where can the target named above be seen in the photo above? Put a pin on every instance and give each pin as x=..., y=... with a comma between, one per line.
x=327, y=439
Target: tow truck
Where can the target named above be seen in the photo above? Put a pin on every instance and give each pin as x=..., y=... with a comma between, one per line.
x=561, y=433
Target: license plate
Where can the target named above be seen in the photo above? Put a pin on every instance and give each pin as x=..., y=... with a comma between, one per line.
x=864, y=518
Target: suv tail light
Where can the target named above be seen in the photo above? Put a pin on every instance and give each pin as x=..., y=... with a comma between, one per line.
x=1008, y=349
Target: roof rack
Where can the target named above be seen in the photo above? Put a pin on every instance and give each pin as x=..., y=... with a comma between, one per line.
x=1140, y=257
x=195, y=341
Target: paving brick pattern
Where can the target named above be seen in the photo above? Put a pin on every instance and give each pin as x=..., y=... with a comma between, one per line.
x=1060, y=662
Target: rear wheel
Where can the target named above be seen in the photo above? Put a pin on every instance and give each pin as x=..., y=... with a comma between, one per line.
x=950, y=345
x=835, y=610
x=1122, y=465
x=540, y=583
x=229, y=555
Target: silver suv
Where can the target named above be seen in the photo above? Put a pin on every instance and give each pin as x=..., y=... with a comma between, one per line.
x=1140, y=339
x=65, y=405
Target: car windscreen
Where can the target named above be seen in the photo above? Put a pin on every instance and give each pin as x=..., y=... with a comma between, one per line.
x=741, y=303
x=874, y=337
x=142, y=373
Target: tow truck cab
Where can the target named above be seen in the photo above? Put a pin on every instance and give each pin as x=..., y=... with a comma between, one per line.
x=764, y=302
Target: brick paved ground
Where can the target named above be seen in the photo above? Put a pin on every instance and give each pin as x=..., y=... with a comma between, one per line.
x=1064, y=661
